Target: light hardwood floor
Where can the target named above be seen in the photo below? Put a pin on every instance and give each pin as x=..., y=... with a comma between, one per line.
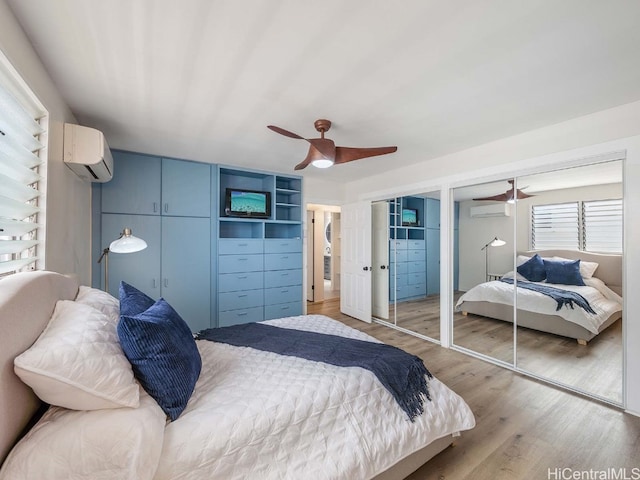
x=524, y=428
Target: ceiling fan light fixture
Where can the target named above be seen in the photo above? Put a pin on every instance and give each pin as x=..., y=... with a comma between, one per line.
x=322, y=163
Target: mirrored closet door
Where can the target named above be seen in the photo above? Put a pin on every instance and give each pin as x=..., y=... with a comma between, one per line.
x=483, y=303
x=541, y=276
x=406, y=263
x=573, y=221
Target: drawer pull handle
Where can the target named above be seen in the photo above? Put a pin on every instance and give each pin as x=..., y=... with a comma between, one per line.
x=243, y=244
x=284, y=257
x=284, y=274
x=243, y=295
x=241, y=277
x=284, y=291
x=243, y=259
x=242, y=314
x=285, y=308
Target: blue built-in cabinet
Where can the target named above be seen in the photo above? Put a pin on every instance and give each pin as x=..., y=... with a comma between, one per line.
x=260, y=259
x=170, y=208
x=214, y=269
x=414, y=250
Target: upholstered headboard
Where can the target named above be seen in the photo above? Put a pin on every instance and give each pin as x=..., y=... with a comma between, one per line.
x=27, y=301
x=609, y=265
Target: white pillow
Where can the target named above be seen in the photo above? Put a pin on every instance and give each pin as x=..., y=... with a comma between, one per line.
x=100, y=300
x=122, y=443
x=77, y=361
x=587, y=269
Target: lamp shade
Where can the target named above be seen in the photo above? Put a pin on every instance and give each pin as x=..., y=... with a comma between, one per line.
x=496, y=242
x=127, y=243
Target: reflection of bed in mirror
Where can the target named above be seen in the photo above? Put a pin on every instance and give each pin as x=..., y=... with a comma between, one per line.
x=540, y=312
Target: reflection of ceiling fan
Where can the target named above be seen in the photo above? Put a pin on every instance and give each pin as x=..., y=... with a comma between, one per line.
x=323, y=152
x=508, y=195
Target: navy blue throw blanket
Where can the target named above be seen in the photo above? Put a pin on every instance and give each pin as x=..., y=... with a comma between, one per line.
x=562, y=297
x=403, y=374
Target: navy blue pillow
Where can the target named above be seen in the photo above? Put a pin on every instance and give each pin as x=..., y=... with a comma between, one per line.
x=533, y=269
x=563, y=272
x=163, y=354
x=132, y=300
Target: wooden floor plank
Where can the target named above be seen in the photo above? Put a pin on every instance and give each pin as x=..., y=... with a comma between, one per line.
x=524, y=427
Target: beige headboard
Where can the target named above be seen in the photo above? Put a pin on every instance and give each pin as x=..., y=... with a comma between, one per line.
x=27, y=301
x=609, y=265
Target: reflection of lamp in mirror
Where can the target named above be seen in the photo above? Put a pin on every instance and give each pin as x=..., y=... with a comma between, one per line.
x=125, y=243
x=495, y=242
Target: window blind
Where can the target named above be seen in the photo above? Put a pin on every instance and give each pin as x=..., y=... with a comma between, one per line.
x=602, y=226
x=555, y=226
x=20, y=182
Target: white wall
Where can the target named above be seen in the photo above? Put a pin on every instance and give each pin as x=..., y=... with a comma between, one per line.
x=68, y=199
x=566, y=143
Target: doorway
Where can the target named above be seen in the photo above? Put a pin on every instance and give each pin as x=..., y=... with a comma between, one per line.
x=323, y=252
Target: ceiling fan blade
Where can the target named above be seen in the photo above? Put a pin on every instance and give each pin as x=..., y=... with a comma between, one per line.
x=312, y=155
x=348, y=154
x=284, y=132
x=503, y=197
x=522, y=195
x=324, y=148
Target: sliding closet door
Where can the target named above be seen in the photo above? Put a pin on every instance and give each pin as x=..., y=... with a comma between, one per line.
x=578, y=211
x=484, y=297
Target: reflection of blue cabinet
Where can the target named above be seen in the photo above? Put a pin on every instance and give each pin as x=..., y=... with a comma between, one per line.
x=433, y=261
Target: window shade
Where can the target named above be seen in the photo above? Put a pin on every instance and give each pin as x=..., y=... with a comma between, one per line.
x=19, y=179
x=603, y=226
x=555, y=226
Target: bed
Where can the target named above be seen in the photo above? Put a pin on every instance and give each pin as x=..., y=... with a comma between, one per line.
x=603, y=279
x=252, y=414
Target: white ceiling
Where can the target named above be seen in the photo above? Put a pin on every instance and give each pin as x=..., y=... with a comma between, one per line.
x=201, y=79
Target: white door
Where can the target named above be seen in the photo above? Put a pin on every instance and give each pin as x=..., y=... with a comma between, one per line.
x=380, y=260
x=355, y=264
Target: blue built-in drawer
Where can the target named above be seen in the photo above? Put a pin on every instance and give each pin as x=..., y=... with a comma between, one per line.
x=401, y=268
x=282, y=278
x=240, y=263
x=397, y=244
x=245, y=315
x=415, y=278
x=235, y=246
x=239, y=300
x=415, y=244
x=398, y=256
x=282, y=310
x=282, y=245
x=232, y=282
x=399, y=280
x=282, y=261
x=273, y=296
x=416, y=255
x=417, y=290
x=414, y=267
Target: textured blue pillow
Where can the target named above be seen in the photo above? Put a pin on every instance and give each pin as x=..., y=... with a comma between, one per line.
x=563, y=272
x=163, y=354
x=533, y=269
x=132, y=300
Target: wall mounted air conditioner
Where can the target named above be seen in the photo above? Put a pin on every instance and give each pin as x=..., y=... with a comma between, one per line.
x=86, y=153
x=501, y=209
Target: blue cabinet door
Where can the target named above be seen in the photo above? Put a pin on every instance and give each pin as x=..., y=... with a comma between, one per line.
x=433, y=260
x=186, y=188
x=140, y=269
x=186, y=268
x=433, y=213
x=135, y=187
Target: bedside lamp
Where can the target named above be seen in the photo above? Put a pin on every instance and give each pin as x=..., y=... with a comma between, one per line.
x=125, y=243
x=495, y=242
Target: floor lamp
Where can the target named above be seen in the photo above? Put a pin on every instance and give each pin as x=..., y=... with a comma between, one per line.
x=125, y=243
x=495, y=242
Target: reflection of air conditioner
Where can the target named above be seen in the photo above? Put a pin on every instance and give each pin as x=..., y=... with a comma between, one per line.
x=86, y=153
x=495, y=210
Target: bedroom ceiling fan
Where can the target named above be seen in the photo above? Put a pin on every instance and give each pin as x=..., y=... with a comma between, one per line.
x=507, y=196
x=323, y=152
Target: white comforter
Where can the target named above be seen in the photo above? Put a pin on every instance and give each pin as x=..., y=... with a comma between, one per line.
x=602, y=300
x=260, y=415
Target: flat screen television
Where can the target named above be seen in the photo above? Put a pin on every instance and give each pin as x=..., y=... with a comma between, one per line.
x=409, y=217
x=247, y=203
